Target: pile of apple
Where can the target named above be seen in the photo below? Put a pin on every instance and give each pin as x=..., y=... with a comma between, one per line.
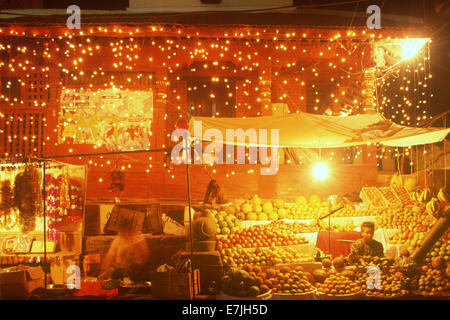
x=413, y=233
x=264, y=257
x=407, y=217
x=260, y=236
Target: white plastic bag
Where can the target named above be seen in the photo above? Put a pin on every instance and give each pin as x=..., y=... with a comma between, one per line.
x=172, y=227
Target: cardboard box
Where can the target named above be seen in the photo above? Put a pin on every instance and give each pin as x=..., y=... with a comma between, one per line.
x=172, y=285
x=20, y=283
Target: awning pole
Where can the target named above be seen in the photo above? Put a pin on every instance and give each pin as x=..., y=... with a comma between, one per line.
x=188, y=156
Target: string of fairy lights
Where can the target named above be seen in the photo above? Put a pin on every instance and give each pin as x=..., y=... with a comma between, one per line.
x=313, y=70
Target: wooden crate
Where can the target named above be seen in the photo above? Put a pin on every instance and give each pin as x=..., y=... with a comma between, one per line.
x=121, y=213
x=172, y=285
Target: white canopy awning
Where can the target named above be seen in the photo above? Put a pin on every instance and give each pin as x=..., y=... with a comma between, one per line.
x=305, y=130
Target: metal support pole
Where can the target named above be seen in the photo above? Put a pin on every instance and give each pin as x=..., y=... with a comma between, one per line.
x=44, y=195
x=188, y=156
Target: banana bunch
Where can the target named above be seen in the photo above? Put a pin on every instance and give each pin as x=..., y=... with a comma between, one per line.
x=433, y=207
x=443, y=195
x=425, y=196
x=416, y=195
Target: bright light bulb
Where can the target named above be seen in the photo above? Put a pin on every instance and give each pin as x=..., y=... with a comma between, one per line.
x=320, y=171
x=411, y=47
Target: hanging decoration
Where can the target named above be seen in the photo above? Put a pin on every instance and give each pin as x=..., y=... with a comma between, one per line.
x=64, y=204
x=5, y=197
x=117, y=180
x=54, y=210
x=74, y=213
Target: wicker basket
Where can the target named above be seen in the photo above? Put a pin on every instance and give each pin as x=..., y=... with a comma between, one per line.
x=224, y=296
x=351, y=296
x=301, y=296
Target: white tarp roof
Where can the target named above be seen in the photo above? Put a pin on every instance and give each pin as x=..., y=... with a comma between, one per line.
x=305, y=130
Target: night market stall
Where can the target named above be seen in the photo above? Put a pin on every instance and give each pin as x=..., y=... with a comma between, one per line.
x=348, y=102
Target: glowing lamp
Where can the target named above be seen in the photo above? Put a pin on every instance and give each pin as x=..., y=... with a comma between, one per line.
x=411, y=47
x=320, y=171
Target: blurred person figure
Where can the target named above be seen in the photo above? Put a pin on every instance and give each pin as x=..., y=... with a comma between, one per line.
x=127, y=256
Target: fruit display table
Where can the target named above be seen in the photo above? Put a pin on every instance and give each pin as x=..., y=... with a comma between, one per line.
x=337, y=248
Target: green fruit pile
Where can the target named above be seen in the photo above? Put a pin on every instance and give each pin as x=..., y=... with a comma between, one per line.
x=239, y=283
x=440, y=249
x=226, y=220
